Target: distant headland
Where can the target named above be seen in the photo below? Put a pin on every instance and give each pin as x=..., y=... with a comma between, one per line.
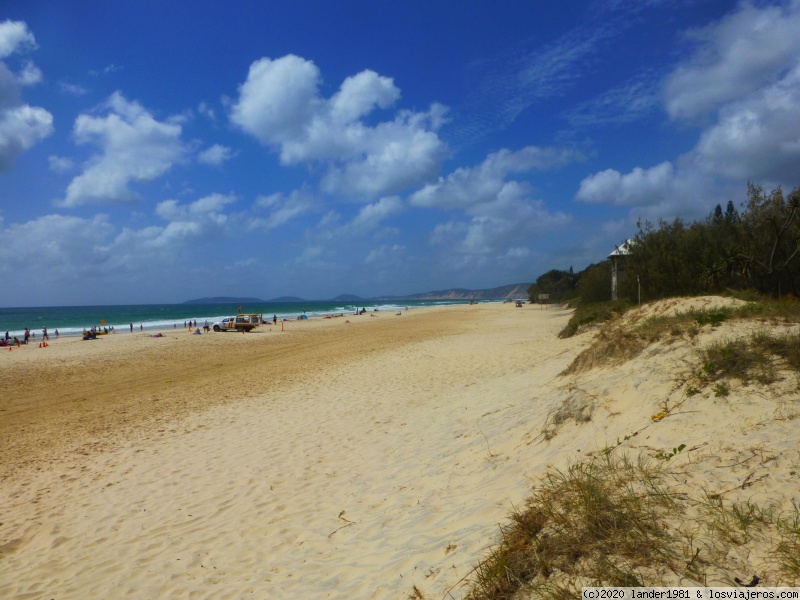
x=515, y=290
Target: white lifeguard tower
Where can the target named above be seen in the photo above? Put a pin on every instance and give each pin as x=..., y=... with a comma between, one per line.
x=619, y=252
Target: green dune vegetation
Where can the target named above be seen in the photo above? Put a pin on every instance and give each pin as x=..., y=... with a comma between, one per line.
x=750, y=253
x=700, y=513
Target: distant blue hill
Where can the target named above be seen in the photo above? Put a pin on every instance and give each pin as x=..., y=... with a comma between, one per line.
x=515, y=290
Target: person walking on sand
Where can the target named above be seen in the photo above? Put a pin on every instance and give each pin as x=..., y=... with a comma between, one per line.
x=27, y=335
x=44, y=334
x=131, y=327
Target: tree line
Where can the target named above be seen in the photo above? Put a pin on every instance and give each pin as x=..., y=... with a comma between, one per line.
x=757, y=248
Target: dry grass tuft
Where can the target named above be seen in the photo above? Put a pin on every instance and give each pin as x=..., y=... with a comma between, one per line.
x=592, y=315
x=613, y=522
x=600, y=521
x=760, y=357
x=622, y=339
x=578, y=407
x=787, y=551
x=739, y=524
x=614, y=344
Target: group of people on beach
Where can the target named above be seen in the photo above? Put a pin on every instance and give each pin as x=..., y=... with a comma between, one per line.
x=7, y=341
x=26, y=337
x=94, y=331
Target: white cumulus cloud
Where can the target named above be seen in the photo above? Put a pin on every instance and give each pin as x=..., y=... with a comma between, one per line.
x=738, y=55
x=14, y=35
x=29, y=75
x=133, y=147
x=72, y=89
x=21, y=126
x=640, y=186
x=208, y=207
x=215, y=155
x=503, y=215
x=54, y=247
x=469, y=186
x=394, y=156
x=278, y=99
x=744, y=79
x=282, y=208
x=372, y=215
x=758, y=136
x=280, y=104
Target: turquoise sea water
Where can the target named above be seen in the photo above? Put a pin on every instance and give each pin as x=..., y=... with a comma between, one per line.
x=71, y=320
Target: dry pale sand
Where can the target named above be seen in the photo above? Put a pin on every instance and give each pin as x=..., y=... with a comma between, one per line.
x=343, y=459
x=335, y=459
x=738, y=448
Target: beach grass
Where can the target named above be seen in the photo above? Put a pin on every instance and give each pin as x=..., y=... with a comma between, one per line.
x=591, y=315
x=615, y=521
x=758, y=358
x=728, y=527
x=618, y=341
x=787, y=551
x=599, y=522
x=588, y=316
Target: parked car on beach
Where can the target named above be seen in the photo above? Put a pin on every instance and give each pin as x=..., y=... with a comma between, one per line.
x=238, y=323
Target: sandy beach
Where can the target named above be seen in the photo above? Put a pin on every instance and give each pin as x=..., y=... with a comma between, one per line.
x=356, y=457
x=349, y=457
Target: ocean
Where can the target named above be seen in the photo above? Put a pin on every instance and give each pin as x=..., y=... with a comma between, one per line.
x=72, y=320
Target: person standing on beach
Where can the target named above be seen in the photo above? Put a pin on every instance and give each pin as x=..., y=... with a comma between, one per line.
x=274, y=320
x=27, y=335
x=44, y=334
x=131, y=327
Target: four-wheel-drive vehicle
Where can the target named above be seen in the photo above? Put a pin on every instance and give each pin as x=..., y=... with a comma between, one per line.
x=238, y=323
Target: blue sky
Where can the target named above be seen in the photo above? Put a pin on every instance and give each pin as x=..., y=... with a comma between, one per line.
x=159, y=151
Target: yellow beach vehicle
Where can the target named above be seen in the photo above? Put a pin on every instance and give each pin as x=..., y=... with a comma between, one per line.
x=241, y=322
